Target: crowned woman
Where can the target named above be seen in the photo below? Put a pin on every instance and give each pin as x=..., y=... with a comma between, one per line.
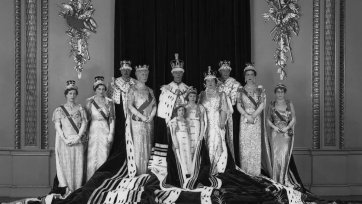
x=218, y=109
x=100, y=111
x=70, y=122
x=142, y=106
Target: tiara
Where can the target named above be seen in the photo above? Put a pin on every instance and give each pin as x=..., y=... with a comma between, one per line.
x=126, y=64
x=280, y=85
x=209, y=74
x=98, y=80
x=224, y=65
x=177, y=64
x=249, y=66
x=142, y=67
x=71, y=85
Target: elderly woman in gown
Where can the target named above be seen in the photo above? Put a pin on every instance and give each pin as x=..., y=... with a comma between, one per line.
x=70, y=124
x=218, y=108
x=100, y=111
x=281, y=118
x=142, y=106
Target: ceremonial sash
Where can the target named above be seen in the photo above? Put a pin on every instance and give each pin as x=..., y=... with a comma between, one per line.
x=143, y=107
x=100, y=111
x=70, y=119
x=250, y=98
x=290, y=130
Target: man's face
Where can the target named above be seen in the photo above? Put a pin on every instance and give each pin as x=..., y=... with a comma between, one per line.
x=225, y=73
x=126, y=73
x=177, y=76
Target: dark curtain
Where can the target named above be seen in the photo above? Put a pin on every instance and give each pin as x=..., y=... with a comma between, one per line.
x=203, y=32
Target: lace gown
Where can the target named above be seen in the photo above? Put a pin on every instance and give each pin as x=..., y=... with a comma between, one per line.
x=250, y=136
x=69, y=159
x=98, y=143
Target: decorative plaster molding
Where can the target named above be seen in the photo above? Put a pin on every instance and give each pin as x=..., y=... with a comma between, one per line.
x=44, y=74
x=17, y=74
x=31, y=74
x=342, y=6
x=329, y=74
x=316, y=75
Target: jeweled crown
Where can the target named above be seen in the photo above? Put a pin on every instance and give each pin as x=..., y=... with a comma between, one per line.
x=209, y=74
x=98, y=80
x=71, y=85
x=177, y=64
x=142, y=68
x=125, y=64
x=224, y=65
x=249, y=66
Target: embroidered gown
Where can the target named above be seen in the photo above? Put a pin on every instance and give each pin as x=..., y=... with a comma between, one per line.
x=142, y=132
x=194, y=116
x=69, y=159
x=250, y=135
x=281, y=143
x=98, y=143
x=215, y=102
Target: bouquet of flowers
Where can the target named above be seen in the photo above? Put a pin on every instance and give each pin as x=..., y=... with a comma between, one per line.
x=285, y=14
x=78, y=15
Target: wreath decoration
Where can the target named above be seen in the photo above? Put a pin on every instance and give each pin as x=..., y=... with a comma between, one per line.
x=78, y=15
x=285, y=14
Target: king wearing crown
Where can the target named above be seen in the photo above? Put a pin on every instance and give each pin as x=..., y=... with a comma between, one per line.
x=174, y=93
x=229, y=86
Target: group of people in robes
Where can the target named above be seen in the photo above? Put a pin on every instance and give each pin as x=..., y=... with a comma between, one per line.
x=114, y=137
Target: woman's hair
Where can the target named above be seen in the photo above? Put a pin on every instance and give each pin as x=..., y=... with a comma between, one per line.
x=281, y=87
x=95, y=87
x=192, y=92
x=249, y=70
x=174, y=113
x=70, y=89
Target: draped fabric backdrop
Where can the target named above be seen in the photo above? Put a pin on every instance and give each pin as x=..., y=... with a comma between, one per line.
x=203, y=32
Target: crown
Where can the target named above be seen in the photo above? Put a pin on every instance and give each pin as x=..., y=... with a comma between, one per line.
x=71, y=85
x=224, y=65
x=209, y=74
x=177, y=64
x=249, y=67
x=280, y=86
x=142, y=67
x=126, y=64
x=98, y=80
x=193, y=90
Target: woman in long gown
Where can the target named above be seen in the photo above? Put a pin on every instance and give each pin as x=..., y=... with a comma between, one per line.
x=281, y=118
x=250, y=104
x=142, y=105
x=180, y=133
x=70, y=124
x=217, y=108
x=196, y=117
x=100, y=111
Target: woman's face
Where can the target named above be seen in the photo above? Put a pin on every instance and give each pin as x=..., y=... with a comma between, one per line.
x=181, y=112
x=71, y=95
x=142, y=76
x=192, y=97
x=279, y=93
x=100, y=90
x=250, y=76
x=210, y=83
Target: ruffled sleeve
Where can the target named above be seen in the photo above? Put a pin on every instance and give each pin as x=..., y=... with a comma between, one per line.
x=57, y=115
